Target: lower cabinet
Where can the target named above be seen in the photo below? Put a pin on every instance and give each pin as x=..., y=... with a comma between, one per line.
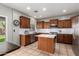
x=60, y=38
x=25, y=39
x=65, y=38
x=46, y=44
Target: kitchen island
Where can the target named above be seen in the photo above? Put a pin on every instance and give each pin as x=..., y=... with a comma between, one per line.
x=46, y=42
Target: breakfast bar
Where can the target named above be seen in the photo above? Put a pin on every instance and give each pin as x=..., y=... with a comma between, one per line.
x=46, y=42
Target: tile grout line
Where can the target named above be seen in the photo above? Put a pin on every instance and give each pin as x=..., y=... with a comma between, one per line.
x=59, y=50
x=66, y=50
x=38, y=53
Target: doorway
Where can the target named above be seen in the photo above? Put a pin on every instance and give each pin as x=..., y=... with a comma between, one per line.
x=2, y=29
x=3, y=38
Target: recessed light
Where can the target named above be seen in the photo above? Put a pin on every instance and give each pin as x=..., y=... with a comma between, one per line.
x=34, y=16
x=44, y=9
x=64, y=11
x=28, y=8
x=40, y=16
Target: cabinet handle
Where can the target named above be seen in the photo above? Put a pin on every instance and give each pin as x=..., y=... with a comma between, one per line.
x=60, y=31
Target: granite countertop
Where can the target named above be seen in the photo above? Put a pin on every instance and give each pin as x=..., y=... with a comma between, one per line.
x=46, y=35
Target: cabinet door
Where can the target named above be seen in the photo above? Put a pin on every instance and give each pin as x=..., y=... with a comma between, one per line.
x=40, y=24
x=60, y=24
x=24, y=40
x=67, y=24
x=67, y=38
x=28, y=39
x=64, y=23
x=46, y=25
x=60, y=38
x=51, y=45
x=42, y=43
x=46, y=44
x=24, y=22
x=54, y=21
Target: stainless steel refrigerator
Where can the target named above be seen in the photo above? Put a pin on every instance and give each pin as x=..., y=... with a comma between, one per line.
x=75, y=26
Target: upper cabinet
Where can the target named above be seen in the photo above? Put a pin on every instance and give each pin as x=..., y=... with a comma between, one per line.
x=53, y=22
x=65, y=23
x=60, y=23
x=46, y=25
x=40, y=24
x=74, y=20
x=43, y=25
x=24, y=22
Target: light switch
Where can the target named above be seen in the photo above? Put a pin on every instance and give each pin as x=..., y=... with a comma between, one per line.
x=13, y=30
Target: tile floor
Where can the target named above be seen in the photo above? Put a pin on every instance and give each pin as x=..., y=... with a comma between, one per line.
x=31, y=50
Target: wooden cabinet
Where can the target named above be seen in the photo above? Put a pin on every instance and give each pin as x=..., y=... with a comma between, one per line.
x=24, y=22
x=64, y=23
x=40, y=24
x=64, y=38
x=46, y=25
x=67, y=24
x=25, y=40
x=60, y=38
x=67, y=38
x=54, y=21
x=60, y=23
x=46, y=44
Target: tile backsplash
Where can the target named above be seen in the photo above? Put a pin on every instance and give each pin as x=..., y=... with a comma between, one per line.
x=63, y=30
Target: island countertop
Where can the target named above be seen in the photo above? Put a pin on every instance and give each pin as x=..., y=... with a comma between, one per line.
x=46, y=35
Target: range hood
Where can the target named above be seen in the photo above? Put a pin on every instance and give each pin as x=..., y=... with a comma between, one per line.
x=53, y=25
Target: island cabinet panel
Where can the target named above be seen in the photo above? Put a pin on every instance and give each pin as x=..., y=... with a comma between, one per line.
x=46, y=44
x=42, y=44
x=51, y=45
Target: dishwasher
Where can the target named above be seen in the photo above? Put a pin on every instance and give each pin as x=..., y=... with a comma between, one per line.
x=32, y=38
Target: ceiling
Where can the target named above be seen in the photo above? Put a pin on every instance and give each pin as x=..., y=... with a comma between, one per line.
x=53, y=9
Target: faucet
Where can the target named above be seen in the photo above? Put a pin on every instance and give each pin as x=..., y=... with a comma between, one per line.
x=25, y=31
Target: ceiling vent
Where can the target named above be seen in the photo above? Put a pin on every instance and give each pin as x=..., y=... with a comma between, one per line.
x=36, y=11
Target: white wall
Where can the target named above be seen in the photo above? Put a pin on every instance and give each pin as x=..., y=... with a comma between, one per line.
x=8, y=13
x=15, y=34
x=11, y=15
